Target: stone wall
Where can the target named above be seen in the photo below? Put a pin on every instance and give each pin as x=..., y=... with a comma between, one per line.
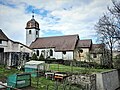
x=108, y=80
x=86, y=82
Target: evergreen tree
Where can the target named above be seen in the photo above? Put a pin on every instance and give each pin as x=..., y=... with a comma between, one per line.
x=34, y=57
x=41, y=57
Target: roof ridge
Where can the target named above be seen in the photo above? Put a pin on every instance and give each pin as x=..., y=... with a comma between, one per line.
x=57, y=36
x=85, y=39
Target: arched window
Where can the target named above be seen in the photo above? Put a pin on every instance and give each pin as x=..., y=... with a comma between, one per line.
x=37, y=52
x=94, y=55
x=64, y=52
x=36, y=32
x=51, y=52
x=30, y=32
x=0, y=41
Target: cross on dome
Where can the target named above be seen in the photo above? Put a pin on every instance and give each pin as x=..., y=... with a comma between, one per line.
x=33, y=14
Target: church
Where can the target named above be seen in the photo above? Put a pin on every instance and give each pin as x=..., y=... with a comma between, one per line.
x=67, y=47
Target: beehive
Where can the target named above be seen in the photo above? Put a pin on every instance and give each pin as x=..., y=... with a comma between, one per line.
x=34, y=67
x=19, y=80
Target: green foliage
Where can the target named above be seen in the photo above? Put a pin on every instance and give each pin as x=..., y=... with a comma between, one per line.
x=41, y=57
x=117, y=62
x=83, y=70
x=4, y=72
x=46, y=84
x=89, y=58
x=34, y=57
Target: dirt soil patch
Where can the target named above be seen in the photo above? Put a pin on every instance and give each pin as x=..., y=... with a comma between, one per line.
x=28, y=88
x=3, y=80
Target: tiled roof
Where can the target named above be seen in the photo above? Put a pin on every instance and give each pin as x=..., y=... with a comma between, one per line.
x=84, y=43
x=60, y=43
x=97, y=48
x=3, y=36
x=32, y=24
x=20, y=43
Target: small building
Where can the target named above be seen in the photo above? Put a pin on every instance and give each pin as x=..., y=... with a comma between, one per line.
x=82, y=49
x=13, y=53
x=34, y=67
x=97, y=52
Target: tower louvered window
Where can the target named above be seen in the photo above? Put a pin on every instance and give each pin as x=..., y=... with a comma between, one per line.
x=30, y=32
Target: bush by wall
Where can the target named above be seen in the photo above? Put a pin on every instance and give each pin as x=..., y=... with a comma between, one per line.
x=34, y=57
x=117, y=62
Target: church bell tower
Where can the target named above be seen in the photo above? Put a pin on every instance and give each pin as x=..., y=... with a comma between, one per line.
x=32, y=31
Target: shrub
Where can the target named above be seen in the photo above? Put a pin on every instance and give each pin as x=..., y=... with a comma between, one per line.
x=117, y=62
x=41, y=57
x=34, y=57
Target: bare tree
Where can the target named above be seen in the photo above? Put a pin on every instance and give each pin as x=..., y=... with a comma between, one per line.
x=115, y=11
x=106, y=32
x=108, y=28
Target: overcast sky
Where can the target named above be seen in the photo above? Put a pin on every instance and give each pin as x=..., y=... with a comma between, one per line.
x=56, y=17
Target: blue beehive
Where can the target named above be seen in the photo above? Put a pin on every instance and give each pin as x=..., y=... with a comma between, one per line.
x=34, y=67
x=19, y=80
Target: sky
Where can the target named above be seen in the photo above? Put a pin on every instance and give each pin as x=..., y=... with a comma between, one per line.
x=55, y=17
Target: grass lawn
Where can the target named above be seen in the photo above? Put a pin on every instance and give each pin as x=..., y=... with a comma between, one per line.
x=6, y=72
x=63, y=68
x=43, y=82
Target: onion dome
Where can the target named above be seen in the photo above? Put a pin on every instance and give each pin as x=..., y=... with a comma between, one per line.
x=32, y=24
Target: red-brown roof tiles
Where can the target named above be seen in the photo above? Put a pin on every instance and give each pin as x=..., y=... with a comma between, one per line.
x=84, y=43
x=60, y=43
x=97, y=48
x=32, y=24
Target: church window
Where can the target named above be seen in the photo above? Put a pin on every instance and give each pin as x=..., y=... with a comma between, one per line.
x=0, y=41
x=43, y=52
x=64, y=52
x=30, y=32
x=36, y=32
x=51, y=52
x=94, y=55
x=80, y=50
x=37, y=52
